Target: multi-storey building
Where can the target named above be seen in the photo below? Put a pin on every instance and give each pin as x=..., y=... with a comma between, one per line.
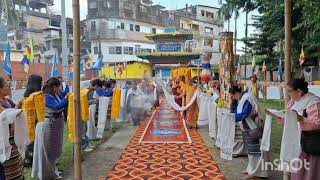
x=38, y=22
x=116, y=28
x=205, y=23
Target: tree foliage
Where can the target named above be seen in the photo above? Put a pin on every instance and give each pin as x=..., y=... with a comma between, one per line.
x=268, y=40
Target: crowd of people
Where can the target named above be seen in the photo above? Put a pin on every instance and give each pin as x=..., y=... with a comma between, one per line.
x=139, y=97
x=249, y=124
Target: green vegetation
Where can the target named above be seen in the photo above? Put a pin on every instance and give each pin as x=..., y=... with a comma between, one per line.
x=66, y=159
x=268, y=40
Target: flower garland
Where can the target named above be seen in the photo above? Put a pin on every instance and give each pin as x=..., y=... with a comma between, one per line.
x=84, y=103
x=40, y=103
x=29, y=109
x=115, y=112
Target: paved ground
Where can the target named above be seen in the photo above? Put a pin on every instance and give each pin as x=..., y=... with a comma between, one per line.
x=231, y=169
x=102, y=160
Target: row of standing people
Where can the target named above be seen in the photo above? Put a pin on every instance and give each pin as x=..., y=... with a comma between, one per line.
x=47, y=146
x=245, y=106
x=46, y=150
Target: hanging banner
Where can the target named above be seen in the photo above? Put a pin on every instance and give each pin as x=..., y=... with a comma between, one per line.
x=169, y=47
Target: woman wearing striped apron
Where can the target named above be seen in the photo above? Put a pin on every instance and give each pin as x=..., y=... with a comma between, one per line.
x=49, y=134
x=11, y=169
x=249, y=115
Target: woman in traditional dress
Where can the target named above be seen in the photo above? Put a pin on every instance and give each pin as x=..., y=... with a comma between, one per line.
x=49, y=134
x=249, y=115
x=307, y=106
x=34, y=84
x=12, y=168
x=191, y=114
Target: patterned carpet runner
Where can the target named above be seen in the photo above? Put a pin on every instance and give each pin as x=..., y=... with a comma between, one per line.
x=167, y=161
x=166, y=126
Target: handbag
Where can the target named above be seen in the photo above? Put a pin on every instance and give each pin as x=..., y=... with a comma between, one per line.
x=254, y=127
x=309, y=141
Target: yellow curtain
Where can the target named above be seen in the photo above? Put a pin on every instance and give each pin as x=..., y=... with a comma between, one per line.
x=29, y=109
x=116, y=98
x=40, y=103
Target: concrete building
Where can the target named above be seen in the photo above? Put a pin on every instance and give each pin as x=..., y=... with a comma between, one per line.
x=38, y=22
x=205, y=23
x=116, y=28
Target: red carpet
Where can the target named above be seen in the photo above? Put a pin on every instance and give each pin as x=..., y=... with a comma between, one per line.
x=165, y=126
x=191, y=161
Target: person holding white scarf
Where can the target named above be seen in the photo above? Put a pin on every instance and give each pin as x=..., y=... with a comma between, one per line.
x=11, y=165
x=307, y=107
x=249, y=115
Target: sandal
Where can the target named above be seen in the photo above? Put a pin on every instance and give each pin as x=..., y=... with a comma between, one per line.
x=244, y=172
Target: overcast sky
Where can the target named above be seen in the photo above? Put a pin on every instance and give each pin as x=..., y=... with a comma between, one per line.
x=169, y=4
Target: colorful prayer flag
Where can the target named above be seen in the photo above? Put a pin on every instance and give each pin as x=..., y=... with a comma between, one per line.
x=98, y=65
x=30, y=53
x=302, y=57
x=55, y=71
x=7, y=61
x=26, y=63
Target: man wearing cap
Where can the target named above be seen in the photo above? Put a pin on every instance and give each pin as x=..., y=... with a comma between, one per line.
x=253, y=86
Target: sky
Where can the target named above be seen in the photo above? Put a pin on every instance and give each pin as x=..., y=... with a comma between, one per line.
x=173, y=4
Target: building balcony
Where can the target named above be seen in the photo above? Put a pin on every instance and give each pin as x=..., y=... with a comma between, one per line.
x=118, y=34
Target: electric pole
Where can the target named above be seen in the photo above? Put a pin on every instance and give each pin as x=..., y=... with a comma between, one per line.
x=65, y=50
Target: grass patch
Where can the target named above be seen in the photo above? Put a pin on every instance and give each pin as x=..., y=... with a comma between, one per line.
x=66, y=159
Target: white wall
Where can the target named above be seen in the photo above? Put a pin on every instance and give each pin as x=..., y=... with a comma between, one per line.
x=118, y=57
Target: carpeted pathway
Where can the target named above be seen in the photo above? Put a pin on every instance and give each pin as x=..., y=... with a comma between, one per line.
x=165, y=161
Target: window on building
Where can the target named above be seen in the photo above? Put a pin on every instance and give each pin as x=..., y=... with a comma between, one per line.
x=122, y=25
x=131, y=50
x=138, y=49
x=143, y=9
x=96, y=50
x=112, y=50
x=125, y=50
x=118, y=50
x=93, y=26
x=154, y=31
x=208, y=30
x=137, y=27
x=182, y=26
x=92, y=5
x=131, y=27
x=202, y=13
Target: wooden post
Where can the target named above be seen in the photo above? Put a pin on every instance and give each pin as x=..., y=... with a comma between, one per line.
x=287, y=62
x=76, y=89
x=245, y=48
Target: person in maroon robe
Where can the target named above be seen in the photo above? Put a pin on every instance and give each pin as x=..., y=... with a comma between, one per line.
x=176, y=91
